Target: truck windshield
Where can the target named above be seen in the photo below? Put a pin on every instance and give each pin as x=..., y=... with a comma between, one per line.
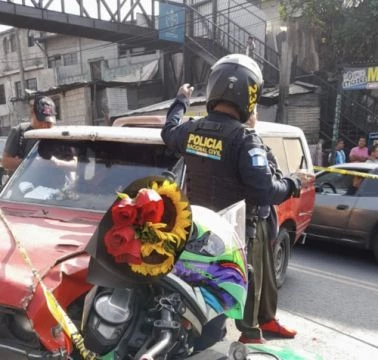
x=85, y=174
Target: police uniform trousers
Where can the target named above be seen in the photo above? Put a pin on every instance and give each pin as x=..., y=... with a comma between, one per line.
x=261, y=304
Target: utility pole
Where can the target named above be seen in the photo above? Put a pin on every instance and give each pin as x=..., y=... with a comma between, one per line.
x=23, y=108
x=285, y=75
x=336, y=121
x=20, y=62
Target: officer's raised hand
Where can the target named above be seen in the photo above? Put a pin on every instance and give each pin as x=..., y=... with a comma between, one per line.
x=185, y=90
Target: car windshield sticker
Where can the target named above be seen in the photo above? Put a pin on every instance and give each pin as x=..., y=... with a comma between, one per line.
x=258, y=157
x=206, y=146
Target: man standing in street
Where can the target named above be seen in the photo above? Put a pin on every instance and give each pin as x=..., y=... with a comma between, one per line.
x=226, y=162
x=17, y=147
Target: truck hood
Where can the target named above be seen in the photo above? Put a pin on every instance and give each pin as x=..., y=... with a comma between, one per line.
x=50, y=237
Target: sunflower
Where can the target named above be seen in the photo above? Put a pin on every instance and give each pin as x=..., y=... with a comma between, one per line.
x=163, y=241
x=182, y=218
x=164, y=260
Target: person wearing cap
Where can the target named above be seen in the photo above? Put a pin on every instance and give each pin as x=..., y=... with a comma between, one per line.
x=17, y=147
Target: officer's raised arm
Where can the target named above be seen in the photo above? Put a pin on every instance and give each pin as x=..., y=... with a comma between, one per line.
x=170, y=132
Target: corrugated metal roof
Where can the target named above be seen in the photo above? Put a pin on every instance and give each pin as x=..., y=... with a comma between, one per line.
x=163, y=105
x=296, y=88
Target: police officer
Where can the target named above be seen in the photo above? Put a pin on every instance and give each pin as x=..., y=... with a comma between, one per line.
x=226, y=162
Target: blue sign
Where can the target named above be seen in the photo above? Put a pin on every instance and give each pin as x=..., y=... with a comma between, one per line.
x=171, y=22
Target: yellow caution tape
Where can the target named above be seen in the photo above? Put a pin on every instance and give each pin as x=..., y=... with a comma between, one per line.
x=52, y=303
x=346, y=172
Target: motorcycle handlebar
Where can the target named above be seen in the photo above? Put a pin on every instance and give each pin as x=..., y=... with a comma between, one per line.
x=163, y=342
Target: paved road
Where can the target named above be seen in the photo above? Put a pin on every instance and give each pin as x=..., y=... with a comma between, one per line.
x=330, y=297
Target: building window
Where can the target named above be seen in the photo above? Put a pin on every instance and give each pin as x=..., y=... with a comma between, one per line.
x=2, y=95
x=55, y=61
x=12, y=41
x=17, y=88
x=122, y=50
x=141, y=51
x=31, y=41
x=31, y=84
x=70, y=59
x=6, y=45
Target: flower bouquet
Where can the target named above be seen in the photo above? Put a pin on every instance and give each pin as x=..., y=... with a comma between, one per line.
x=143, y=233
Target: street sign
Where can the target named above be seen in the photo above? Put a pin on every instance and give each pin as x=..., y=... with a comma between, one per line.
x=171, y=22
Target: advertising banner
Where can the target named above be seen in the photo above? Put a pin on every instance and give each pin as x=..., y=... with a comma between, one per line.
x=171, y=22
x=360, y=78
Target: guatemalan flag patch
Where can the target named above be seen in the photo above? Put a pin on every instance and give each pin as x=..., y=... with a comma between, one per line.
x=258, y=157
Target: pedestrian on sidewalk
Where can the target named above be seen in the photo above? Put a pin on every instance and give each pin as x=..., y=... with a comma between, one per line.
x=359, y=153
x=340, y=156
x=373, y=155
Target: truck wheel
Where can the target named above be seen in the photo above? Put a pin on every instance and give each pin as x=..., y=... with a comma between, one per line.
x=281, y=255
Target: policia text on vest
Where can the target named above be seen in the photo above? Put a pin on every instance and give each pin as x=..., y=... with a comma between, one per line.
x=209, y=147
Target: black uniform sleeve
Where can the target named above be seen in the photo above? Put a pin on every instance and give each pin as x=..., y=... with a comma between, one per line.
x=172, y=132
x=272, y=160
x=263, y=186
x=12, y=143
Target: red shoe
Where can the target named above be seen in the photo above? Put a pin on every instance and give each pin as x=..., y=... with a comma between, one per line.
x=274, y=327
x=246, y=340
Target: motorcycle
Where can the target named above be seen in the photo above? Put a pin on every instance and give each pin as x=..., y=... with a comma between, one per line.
x=165, y=294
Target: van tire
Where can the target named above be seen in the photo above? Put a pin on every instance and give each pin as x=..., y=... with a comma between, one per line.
x=281, y=255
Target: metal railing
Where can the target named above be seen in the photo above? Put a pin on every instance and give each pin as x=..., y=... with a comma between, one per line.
x=355, y=119
x=225, y=37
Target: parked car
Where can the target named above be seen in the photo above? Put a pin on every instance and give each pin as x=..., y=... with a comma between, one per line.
x=347, y=214
x=291, y=149
x=51, y=206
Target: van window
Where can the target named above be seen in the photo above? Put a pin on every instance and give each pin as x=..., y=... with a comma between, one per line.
x=278, y=149
x=295, y=156
x=289, y=153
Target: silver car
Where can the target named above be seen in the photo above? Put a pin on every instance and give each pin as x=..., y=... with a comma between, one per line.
x=346, y=207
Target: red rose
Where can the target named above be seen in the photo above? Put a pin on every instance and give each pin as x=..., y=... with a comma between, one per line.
x=151, y=206
x=120, y=242
x=151, y=212
x=124, y=212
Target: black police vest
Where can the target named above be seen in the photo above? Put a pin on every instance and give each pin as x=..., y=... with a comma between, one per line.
x=211, y=156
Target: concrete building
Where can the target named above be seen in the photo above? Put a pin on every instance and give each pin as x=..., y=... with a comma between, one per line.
x=89, y=80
